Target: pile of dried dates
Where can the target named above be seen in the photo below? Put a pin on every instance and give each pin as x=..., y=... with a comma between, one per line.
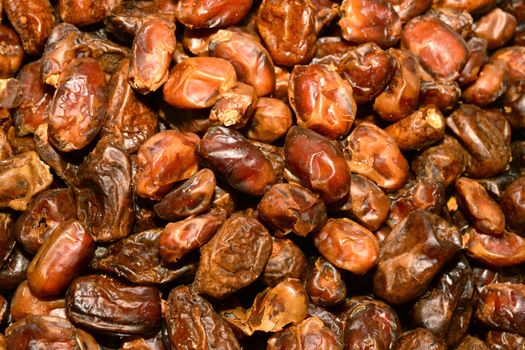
x=262, y=174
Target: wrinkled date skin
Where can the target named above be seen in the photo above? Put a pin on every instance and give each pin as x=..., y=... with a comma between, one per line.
x=41, y=332
x=78, y=106
x=36, y=97
x=235, y=107
x=502, y=306
x=484, y=212
x=512, y=56
x=194, y=196
x=193, y=324
x=347, y=245
x=236, y=160
x=26, y=303
x=233, y=258
x=136, y=258
x=440, y=49
x=373, y=153
x=488, y=154
x=370, y=321
x=196, y=14
x=419, y=339
x=22, y=177
x=324, y=284
x=513, y=204
x=14, y=269
x=446, y=308
x=165, y=158
x=497, y=340
x=497, y=27
x=7, y=236
x=151, y=54
x=472, y=343
x=400, y=97
x=103, y=193
x=412, y=254
x=318, y=163
x=322, y=100
x=198, y=82
x=11, y=53
x=491, y=84
x=45, y=212
x=368, y=69
x=252, y=62
x=270, y=121
x=105, y=305
x=408, y=9
x=286, y=261
x=478, y=57
x=459, y=20
x=364, y=21
x=505, y=250
x=292, y=208
x=33, y=21
x=288, y=30
x=61, y=256
x=128, y=121
x=181, y=237
x=83, y=12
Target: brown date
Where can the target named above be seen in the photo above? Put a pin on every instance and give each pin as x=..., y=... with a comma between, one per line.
x=181, y=237
x=14, y=270
x=322, y=100
x=476, y=6
x=105, y=305
x=252, y=62
x=512, y=203
x=84, y=12
x=61, y=256
x=363, y=21
x=292, y=208
x=270, y=121
x=77, y=109
x=513, y=57
x=325, y=285
x=162, y=160
x=236, y=160
x=419, y=339
x=502, y=306
x=412, y=254
x=331, y=50
x=233, y=258
x=235, y=107
x=11, y=53
x=151, y=53
x=22, y=177
x=478, y=57
x=459, y=20
x=211, y=13
x=45, y=212
x=32, y=20
x=491, y=83
x=318, y=163
x=286, y=261
x=505, y=250
x=288, y=30
x=198, y=82
x=26, y=303
x=472, y=343
x=373, y=153
x=440, y=49
x=193, y=324
x=347, y=245
x=408, y=9
x=497, y=27
x=368, y=69
x=497, y=340
x=136, y=258
x=7, y=237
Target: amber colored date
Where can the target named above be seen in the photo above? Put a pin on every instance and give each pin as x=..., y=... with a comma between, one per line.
x=286, y=261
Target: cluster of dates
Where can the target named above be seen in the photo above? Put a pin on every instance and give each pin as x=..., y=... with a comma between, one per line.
x=275, y=174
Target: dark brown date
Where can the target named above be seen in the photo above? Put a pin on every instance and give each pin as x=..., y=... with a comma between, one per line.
x=497, y=340
x=502, y=306
x=412, y=254
x=270, y=121
x=233, y=258
x=198, y=82
x=472, y=343
x=181, y=237
x=236, y=160
x=497, y=27
x=368, y=69
x=77, y=109
x=22, y=177
x=288, y=30
x=136, y=258
x=506, y=250
x=193, y=324
x=513, y=204
x=318, y=163
x=14, y=270
x=211, y=14
x=364, y=21
x=105, y=305
x=373, y=153
x=286, y=261
x=33, y=21
x=419, y=339
x=58, y=260
x=312, y=333
x=151, y=54
x=322, y=100
x=11, y=53
x=165, y=158
x=7, y=236
x=292, y=208
x=348, y=245
x=478, y=57
x=252, y=62
x=325, y=285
